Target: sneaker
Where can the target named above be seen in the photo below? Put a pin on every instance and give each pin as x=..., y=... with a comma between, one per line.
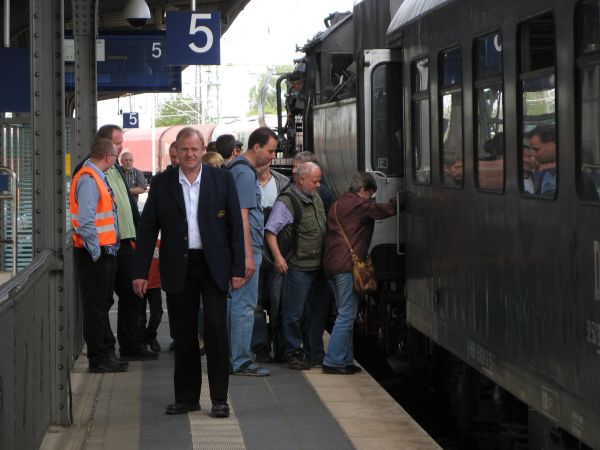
x=297, y=362
x=252, y=370
x=263, y=356
x=154, y=345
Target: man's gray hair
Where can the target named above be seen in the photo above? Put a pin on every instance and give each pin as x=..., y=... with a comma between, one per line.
x=305, y=157
x=306, y=168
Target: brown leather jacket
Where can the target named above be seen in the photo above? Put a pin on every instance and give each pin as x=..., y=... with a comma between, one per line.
x=357, y=215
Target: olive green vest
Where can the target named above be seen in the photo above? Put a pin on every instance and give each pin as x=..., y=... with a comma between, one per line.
x=311, y=232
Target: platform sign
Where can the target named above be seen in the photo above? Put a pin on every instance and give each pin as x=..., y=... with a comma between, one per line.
x=15, y=77
x=193, y=38
x=4, y=182
x=130, y=62
x=131, y=120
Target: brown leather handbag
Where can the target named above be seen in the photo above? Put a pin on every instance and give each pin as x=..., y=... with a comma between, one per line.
x=363, y=272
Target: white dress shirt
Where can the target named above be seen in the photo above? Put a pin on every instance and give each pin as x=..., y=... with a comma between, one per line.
x=191, y=193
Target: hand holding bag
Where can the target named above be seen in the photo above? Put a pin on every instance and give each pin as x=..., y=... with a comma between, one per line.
x=363, y=272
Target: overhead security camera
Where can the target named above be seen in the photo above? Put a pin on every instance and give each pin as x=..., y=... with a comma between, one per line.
x=136, y=13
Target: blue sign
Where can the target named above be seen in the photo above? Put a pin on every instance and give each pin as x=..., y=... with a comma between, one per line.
x=131, y=120
x=4, y=182
x=132, y=62
x=15, y=89
x=193, y=38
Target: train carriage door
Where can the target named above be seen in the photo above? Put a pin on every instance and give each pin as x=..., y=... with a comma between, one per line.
x=382, y=137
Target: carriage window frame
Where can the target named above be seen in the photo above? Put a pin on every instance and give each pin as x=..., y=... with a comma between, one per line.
x=450, y=88
x=391, y=152
x=530, y=72
x=587, y=56
x=488, y=79
x=420, y=96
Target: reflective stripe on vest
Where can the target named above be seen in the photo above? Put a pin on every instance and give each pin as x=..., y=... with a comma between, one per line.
x=104, y=219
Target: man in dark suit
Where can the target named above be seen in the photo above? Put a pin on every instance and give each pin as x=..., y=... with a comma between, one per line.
x=197, y=211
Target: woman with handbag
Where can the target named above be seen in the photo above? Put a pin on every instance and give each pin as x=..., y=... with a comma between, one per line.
x=350, y=225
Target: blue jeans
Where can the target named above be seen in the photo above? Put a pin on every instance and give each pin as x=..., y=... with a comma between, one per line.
x=241, y=308
x=340, y=351
x=296, y=288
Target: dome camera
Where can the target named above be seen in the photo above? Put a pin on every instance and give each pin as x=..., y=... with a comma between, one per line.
x=136, y=13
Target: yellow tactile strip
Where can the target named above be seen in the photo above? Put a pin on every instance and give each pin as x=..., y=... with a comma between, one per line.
x=209, y=433
x=369, y=416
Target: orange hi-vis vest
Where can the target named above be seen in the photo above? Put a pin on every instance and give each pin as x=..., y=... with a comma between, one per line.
x=105, y=220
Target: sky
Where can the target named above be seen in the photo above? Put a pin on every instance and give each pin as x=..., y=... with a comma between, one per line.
x=265, y=33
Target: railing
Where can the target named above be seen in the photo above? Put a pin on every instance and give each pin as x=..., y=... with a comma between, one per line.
x=30, y=341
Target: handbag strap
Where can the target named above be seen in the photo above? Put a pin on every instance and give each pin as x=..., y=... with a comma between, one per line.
x=354, y=257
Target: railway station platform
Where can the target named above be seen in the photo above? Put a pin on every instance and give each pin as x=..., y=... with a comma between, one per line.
x=287, y=410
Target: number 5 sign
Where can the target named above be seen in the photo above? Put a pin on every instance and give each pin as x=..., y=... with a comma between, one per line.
x=193, y=38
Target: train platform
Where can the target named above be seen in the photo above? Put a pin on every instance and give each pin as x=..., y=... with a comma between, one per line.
x=287, y=410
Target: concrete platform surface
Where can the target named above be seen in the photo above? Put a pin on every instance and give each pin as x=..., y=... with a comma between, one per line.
x=286, y=410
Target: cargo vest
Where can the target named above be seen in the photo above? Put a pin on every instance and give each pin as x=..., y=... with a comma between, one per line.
x=311, y=232
x=105, y=219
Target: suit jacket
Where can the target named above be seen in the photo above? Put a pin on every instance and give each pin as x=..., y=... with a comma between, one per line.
x=219, y=221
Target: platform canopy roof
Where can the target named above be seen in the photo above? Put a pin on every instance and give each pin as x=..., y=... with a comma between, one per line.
x=110, y=14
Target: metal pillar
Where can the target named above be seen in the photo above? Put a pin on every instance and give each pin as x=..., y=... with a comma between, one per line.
x=48, y=122
x=85, y=18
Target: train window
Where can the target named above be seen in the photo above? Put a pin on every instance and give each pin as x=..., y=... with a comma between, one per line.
x=489, y=103
x=588, y=27
x=386, y=119
x=538, y=153
x=421, y=145
x=588, y=77
x=488, y=51
x=537, y=39
x=451, y=133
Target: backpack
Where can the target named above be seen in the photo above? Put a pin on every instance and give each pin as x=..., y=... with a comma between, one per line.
x=243, y=161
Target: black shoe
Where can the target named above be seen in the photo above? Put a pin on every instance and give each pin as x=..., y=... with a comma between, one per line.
x=353, y=368
x=337, y=370
x=172, y=346
x=182, y=408
x=107, y=367
x=317, y=363
x=141, y=355
x=220, y=410
x=297, y=362
x=116, y=360
x=263, y=356
x=154, y=345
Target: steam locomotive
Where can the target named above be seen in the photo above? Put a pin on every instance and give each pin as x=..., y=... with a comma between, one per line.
x=487, y=112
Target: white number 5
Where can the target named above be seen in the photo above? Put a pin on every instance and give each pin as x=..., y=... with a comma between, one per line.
x=156, y=50
x=200, y=29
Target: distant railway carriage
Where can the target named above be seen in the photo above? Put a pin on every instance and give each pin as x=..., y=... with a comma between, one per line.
x=487, y=113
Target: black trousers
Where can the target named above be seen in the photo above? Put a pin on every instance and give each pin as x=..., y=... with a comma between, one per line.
x=154, y=298
x=131, y=320
x=183, y=311
x=96, y=292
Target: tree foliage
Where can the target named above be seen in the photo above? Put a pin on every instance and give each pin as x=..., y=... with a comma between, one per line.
x=178, y=110
x=269, y=77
